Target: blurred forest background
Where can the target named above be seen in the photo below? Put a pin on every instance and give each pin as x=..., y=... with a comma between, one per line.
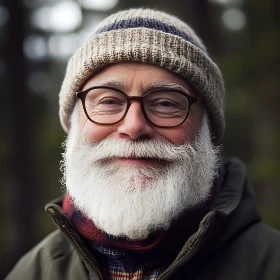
x=36, y=39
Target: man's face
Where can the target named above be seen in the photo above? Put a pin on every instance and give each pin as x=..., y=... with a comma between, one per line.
x=137, y=79
x=133, y=178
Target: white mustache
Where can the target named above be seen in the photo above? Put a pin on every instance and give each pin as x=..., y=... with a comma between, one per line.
x=147, y=149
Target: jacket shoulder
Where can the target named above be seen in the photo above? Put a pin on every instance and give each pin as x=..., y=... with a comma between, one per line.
x=49, y=259
x=257, y=250
x=265, y=238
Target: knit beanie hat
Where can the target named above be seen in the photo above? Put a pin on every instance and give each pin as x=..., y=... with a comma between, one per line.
x=151, y=37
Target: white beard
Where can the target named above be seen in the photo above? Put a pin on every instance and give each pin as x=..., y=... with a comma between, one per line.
x=133, y=202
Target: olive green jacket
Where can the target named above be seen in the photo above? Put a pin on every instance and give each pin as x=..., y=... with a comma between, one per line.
x=231, y=243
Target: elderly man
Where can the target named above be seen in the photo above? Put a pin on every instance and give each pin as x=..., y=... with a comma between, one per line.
x=147, y=196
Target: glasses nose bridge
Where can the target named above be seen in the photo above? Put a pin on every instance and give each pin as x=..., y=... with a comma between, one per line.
x=136, y=98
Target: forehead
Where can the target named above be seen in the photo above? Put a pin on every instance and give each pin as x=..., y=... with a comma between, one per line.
x=135, y=74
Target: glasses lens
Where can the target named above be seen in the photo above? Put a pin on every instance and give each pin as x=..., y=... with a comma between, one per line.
x=105, y=105
x=166, y=108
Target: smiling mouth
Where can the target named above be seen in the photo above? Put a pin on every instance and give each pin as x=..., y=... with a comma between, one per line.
x=141, y=161
x=138, y=158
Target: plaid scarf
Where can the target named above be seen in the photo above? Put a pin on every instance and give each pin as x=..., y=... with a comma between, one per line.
x=120, y=258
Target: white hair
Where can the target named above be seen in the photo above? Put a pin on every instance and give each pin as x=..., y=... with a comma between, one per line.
x=133, y=202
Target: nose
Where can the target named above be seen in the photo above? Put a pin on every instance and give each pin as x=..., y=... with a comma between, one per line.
x=135, y=126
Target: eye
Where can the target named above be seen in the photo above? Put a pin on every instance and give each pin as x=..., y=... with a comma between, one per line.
x=110, y=101
x=164, y=103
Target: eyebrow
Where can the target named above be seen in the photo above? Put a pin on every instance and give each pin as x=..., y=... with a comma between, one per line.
x=168, y=85
x=112, y=82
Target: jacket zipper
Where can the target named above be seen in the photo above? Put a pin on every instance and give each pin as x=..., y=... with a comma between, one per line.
x=52, y=211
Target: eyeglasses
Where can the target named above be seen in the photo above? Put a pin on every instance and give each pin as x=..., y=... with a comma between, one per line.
x=162, y=107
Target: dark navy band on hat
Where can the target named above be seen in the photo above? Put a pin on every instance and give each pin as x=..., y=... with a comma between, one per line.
x=147, y=23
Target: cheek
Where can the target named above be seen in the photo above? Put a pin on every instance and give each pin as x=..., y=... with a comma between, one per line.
x=91, y=131
x=183, y=133
x=175, y=135
x=94, y=132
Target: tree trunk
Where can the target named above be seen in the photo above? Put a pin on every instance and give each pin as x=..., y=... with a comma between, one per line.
x=19, y=129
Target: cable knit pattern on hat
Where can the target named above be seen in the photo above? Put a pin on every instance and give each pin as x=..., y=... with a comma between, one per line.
x=151, y=37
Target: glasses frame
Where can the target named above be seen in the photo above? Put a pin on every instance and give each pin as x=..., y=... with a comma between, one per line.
x=82, y=96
